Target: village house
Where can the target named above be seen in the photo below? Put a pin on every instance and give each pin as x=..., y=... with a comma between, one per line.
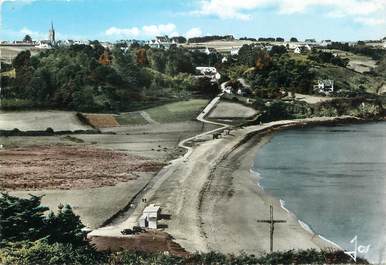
x=302, y=48
x=324, y=86
x=211, y=72
x=150, y=216
x=161, y=42
x=235, y=51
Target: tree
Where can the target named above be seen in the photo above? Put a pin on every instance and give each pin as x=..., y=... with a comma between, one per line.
x=293, y=39
x=65, y=227
x=263, y=60
x=27, y=38
x=141, y=57
x=21, y=60
x=21, y=219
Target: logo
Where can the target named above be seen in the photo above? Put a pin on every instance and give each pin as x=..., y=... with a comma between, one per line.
x=358, y=249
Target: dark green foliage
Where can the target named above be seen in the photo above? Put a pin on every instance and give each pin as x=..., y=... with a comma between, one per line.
x=75, y=78
x=285, y=73
x=179, y=39
x=269, y=39
x=278, y=50
x=24, y=219
x=205, y=87
x=5, y=67
x=21, y=219
x=27, y=38
x=328, y=57
x=65, y=227
x=374, y=53
x=41, y=252
x=210, y=38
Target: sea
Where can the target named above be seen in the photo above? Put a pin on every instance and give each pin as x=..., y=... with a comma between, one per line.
x=333, y=178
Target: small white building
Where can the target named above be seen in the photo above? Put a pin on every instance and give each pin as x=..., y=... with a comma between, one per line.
x=298, y=50
x=207, y=71
x=325, y=86
x=149, y=217
x=161, y=42
x=235, y=51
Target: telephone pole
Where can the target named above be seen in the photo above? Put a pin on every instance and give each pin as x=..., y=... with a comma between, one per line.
x=272, y=223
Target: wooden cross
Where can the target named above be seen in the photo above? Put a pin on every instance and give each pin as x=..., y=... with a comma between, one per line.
x=272, y=222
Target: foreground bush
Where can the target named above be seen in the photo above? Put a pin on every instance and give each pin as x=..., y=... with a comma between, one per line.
x=40, y=252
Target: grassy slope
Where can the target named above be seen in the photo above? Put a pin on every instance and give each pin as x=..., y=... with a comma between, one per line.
x=348, y=79
x=344, y=78
x=173, y=112
x=177, y=111
x=131, y=118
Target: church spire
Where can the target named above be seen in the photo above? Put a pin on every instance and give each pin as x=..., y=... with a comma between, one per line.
x=51, y=34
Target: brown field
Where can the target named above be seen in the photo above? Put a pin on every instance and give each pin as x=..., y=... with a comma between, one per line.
x=150, y=241
x=101, y=120
x=66, y=167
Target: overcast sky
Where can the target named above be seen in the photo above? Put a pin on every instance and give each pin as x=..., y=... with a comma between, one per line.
x=344, y=20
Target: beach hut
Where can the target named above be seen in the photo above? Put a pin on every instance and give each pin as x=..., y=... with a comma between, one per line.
x=150, y=216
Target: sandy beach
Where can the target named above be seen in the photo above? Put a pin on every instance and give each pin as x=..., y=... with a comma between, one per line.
x=214, y=200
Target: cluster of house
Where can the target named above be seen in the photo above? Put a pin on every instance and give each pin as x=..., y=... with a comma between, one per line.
x=150, y=216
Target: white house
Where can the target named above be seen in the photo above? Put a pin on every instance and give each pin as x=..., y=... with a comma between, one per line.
x=207, y=71
x=43, y=44
x=149, y=217
x=302, y=48
x=161, y=42
x=325, y=86
x=235, y=51
x=224, y=60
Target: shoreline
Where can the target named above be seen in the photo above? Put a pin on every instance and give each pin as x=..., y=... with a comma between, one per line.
x=214, y=200
x=248, y=148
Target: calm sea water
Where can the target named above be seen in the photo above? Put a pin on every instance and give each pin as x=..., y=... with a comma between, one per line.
x=333, y=179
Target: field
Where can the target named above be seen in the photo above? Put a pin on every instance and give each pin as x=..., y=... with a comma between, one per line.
x=97, y=174
x=232, y=110
x=41, y=120
x=8, y=52
x=68, y=167
x=358, y=63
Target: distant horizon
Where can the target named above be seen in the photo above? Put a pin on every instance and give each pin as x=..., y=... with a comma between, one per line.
x=344, y=21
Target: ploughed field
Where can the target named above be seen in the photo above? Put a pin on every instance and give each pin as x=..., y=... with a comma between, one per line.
x=68, y=167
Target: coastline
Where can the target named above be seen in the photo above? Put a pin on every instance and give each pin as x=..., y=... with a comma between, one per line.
x=223, y=194
x=214, y=201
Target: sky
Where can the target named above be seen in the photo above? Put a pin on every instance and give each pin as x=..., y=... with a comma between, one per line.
x=110, y=20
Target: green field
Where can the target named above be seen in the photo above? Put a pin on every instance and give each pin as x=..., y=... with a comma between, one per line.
x=177, y=111
x=131, y=118
x=172, y=112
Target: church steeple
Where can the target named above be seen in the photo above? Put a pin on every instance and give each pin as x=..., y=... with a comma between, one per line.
x=51, y=34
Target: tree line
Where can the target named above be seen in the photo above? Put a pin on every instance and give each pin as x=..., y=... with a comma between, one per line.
x=93, y=78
